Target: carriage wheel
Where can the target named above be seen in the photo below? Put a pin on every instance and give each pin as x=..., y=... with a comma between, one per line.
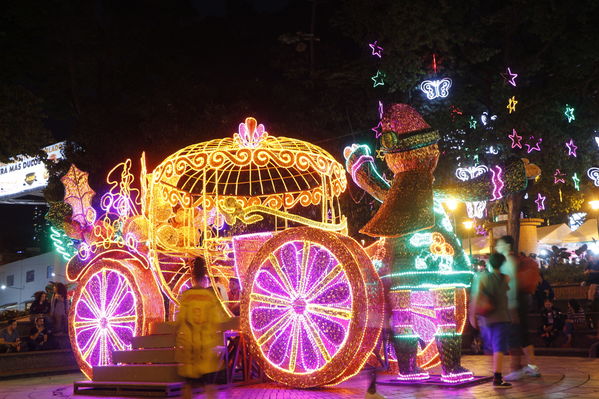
x=182, y=285
x=309, y=309
x=114, y=301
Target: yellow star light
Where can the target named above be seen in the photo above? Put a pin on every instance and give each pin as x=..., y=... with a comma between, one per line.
x=511, y=106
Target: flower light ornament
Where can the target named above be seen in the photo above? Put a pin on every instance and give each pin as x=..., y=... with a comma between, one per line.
x=536, y=147
x=571, y=148
x=558, y=177
x=438, y=88
x=511, y=105
x=376, y=49
x=593, y=174
x=540, y=201
x=516, y=139
x=250, y=133
x=569, y=113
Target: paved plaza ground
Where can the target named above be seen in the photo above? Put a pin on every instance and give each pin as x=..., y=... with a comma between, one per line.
x=563, y=377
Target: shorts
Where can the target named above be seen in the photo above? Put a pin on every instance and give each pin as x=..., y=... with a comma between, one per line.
x=496, y=337
x=519, y=336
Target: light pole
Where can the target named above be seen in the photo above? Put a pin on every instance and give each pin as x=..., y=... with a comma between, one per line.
x=468, y=226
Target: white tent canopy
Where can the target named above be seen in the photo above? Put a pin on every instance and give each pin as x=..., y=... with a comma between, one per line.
x=553, y=235
x=585, y=233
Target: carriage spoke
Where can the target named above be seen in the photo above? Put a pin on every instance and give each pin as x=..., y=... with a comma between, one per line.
x=282, y=275
x=281, y=324
x=317, y=339
x=324, y=282
x=270, y=300
x=294, y=342
x=304, y=266
x=330, y=311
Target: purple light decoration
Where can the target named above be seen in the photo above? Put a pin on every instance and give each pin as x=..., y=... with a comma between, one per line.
x=376, y=49
x=557, y=177
x=105, y=317
x=540, y=201
x=510, y=77
x=378, y=130
x=497, y=181
x=380, y=110
x=571, y=148
x=300, y=315
x=536, y=147
x=516, y=139
x=480, y=230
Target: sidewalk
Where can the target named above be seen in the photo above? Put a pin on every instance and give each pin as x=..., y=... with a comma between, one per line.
x=563, y=377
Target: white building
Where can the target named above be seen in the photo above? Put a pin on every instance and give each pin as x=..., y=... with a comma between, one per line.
x=21, y=279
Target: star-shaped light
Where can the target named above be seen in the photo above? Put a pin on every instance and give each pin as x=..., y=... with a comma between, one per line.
x=511, y=105
x=376, y=49
x=510, y=77
x=569, y=112
x=378, y=79
x=540, y=201
x=472, y=122
x=576, y=181
x=516, y=139
x=378, y=130
x=571, y=148
x=558, y=177
x=536, y=147
x=380, y=110
x=380, y=154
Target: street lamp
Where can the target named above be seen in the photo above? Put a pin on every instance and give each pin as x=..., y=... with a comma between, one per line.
x=594, y=204
x=451, y=204
x=468, y=226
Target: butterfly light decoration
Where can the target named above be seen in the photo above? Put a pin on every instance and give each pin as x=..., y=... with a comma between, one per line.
x=436, y=88
x=475, y=209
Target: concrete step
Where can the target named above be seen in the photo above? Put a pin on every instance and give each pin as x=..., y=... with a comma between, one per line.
x=137, y=389
x=137, y=373
x=162, y=328
x=153, y=341
x=38, y=362
x=155, y=355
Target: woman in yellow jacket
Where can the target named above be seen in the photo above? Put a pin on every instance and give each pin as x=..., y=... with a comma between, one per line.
x=200, y=322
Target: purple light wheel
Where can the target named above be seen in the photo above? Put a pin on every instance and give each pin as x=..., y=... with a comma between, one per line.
x=309, y=308
x=108, y=309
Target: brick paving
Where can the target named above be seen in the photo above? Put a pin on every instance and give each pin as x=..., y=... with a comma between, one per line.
x=563, y=377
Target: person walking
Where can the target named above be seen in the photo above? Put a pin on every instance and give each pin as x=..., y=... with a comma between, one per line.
x=495, y=327
x=518, y=304
x=200, y=322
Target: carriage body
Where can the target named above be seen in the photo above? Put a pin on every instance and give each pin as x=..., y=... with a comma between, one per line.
x=261, y=209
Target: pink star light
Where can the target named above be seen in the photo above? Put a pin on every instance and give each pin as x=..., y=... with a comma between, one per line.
x=540, y=201
x=571, y=148
x=376, y=49
x=516, y=139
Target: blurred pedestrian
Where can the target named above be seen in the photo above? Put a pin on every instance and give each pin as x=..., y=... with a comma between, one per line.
x=200, y=322
x=493, y=286
x=524, y=278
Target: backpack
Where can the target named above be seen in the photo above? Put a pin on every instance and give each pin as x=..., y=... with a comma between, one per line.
x=528, y=274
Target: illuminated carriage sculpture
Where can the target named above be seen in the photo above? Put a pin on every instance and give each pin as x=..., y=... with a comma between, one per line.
x=259, y=208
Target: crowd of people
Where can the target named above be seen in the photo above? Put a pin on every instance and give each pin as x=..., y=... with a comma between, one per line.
x=48, y=323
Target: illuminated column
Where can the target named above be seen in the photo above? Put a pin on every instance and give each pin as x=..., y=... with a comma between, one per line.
x=528, y=235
